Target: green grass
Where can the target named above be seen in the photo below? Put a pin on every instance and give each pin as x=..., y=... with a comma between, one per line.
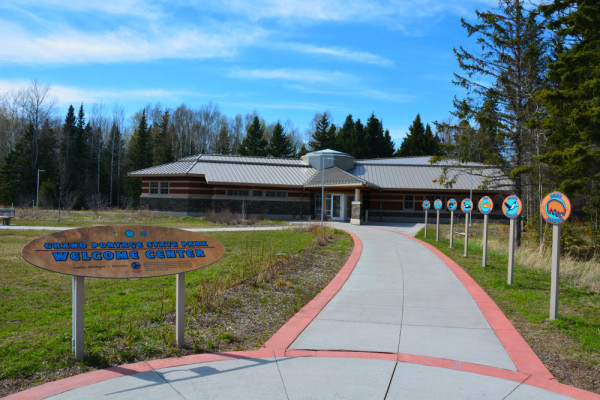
x=574, y=336
x=128, y=321
x=66, y=218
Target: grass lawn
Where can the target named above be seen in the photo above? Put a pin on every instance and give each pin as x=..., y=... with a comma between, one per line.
x=569, y=345
x=237, y=303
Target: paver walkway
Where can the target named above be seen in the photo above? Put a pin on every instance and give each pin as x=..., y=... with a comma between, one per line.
x=400, y=321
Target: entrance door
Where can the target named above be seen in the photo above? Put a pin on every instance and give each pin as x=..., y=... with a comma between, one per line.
x=337, y=210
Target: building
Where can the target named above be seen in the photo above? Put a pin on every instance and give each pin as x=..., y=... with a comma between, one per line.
x=391, y=189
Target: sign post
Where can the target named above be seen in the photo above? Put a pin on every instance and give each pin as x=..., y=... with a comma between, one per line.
x=555, y=209
x=452, y=205
x=426, y=206
x=486, y=206
x=122, y=251
x=437, y=204
x=466, y=206
x=511, y=207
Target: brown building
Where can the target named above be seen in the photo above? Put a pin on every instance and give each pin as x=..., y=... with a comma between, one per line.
x=391, y=189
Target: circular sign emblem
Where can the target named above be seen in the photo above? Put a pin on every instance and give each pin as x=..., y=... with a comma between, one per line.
x=437, y=204
x=466, y=206
x=555, y=208
x=486, y=205
x=512, y=206
x=426, y=205
x=452, y=204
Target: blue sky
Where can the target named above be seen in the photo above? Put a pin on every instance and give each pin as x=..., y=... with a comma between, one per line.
x=285, y=59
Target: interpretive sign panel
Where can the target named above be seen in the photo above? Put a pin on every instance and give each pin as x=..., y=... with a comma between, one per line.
x=123, y=251
x=452, y=204
x=426, y=205
x=485, y=205
x=512, y=206
x=437, y=204
x=466, y=206
x=555, y=208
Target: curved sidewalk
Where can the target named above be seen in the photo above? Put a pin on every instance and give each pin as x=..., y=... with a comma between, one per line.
x=400, y=320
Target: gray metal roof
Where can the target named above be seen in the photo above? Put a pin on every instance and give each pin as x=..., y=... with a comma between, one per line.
x=334, y=177
x=395, y=173
x=418, y=160
x=426, y=177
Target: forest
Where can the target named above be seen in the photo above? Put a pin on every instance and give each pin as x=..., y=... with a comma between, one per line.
x=529, y=78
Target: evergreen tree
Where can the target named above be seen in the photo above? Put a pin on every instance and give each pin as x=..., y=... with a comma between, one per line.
x=378, y=145
x=223, y=143
x=572, y=101
x=114, y=149
x=17, y=177
x=415, y=142
x=163, y=148
x=358, y=140
x=280, y=145
x=344, y=136
x=254, y=144
x=140, y=146
x=303, y=150
x=324, y=135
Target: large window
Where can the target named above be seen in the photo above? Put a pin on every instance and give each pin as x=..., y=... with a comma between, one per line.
x=153, y=187
x=409, y=203
x=237, y=192
x=159, y=187
x=164, y=188
x=275, y=194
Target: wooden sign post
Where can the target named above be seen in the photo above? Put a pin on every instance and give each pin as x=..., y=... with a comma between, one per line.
x=555, y=209
x=466, y=206
x=451, y=205
x=437, y=204
x=511, y=207
x=486, y=206
x=126, y=252
x=426, y=206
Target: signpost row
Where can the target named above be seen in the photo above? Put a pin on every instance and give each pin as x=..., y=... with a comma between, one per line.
x=555, y=208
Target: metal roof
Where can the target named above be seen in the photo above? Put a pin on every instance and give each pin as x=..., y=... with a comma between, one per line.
x=426, y=177
x=334, y=177
x=392, y=173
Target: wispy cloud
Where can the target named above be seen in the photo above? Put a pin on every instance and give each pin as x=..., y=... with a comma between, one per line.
x=338, y=52
x=291, y=75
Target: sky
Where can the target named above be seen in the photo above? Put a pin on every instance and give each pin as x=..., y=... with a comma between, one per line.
x=284, y=59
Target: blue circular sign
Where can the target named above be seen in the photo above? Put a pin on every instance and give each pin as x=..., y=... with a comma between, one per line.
x=512, y=206
x=437, y=204
x=426, y=205
x=452, y=205
x=486, y=205
x=466, y=206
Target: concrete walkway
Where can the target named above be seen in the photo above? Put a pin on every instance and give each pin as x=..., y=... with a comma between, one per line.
x=400, y=321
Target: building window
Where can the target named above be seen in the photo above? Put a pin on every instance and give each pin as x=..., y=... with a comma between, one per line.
x=236, y=192
x=153, y=187
x=164, y=188
x=257, y=193
x=276, y=194
x=409, y=203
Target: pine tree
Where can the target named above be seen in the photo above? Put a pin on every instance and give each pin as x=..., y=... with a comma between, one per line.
x=344, y=136
x=163, y=148
x=280, y=145
x=415, y=142
x=140, y=146
x=324, y=135
x=254, y=144
x=358, y=140
x=572, y=101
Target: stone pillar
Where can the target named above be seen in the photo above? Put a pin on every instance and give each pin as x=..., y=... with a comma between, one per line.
x=356, y=208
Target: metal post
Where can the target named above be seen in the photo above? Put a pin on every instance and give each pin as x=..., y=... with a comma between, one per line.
x=511, y=250
x=180, y=309
x=451, y=228
x=555, y=271
x=77, y=311
x=322, y=189
x=485, y=240
x=466, y=253
x=437, y=227
x=426, y=222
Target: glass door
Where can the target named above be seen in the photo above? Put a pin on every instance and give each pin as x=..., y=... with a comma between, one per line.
x=337, y=211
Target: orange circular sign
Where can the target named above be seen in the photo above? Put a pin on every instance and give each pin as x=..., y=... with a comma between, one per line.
x=512, y=206
x=555, y=208
x=123, y=251
x=486, y=205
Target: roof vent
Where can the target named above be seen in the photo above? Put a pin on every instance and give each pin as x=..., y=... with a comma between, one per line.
x=328, y=158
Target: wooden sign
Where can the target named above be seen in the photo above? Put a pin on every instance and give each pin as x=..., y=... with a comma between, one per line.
x=123, y=251
x=555, y=208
